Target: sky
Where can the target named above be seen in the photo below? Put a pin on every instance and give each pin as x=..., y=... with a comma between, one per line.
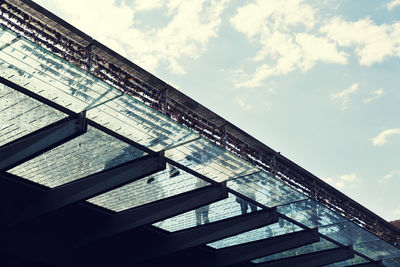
x=316, y=80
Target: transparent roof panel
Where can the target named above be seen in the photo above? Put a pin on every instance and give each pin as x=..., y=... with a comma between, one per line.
x=140, y=123
x=356, y=260
x=36, y=69
x=377, y=250
x=265, y=189
x=392, y=262
x=280, y=228
x=347, y=233
x=21, y=115
x=210, y=160
x=87, y=154
x=323, y=244
x=310, y=213
x=172, y=181
x=216, y=211
x=6, y=36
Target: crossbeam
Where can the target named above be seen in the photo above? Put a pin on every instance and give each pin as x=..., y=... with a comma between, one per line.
x=369, y=264
x=261, y=248
x=157, y=211
x=40, y=141
x=208, y=233
x=91, y=186
x=319, y=258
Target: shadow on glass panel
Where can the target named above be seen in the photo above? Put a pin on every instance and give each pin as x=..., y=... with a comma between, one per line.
x=85, y=155
x=36, y=69
x=377, y=249
x=310, y=213
x=265, y=189
x=347, y=233
x=216, y=211
x=21, y=115
x=356, y=260
x=322, y=245
x=276, y=229
x=172, y=181
x=132, y=119
x=392, y=262
x=210, y=160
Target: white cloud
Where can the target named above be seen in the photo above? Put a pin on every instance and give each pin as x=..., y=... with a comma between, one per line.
x=374, y=95
x=393, y=4
x=343, y=97
x=373, y=43
x=143, y=5
x=391, y=174
x=382, y=137
x=343, y=181
x=273, y=24
x=191, y=24
x=242, y=103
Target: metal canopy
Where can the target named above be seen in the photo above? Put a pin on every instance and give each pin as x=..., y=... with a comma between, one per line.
x=83, y=182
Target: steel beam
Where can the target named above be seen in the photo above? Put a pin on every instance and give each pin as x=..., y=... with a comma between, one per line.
x=40, y=141
x=208, y=233
x=156, y=211
x=91, y=186
x=369, y=264
x=261, y=248
x=319, y=258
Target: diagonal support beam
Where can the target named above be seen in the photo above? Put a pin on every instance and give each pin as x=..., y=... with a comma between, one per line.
x=262, y=248
x=369, y=264
x=157, y=211
x=319, y=258
x=40, y=141
x=208, y=233
x=92, y=185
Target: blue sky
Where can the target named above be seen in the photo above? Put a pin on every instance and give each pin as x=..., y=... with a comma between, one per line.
x=316, y=80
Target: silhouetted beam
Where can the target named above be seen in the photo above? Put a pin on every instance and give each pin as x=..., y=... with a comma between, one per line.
x=92, y=185
x=157, y=211
x=261, y=248
x=40, y=141
x=368, y=264
x=208, y=233
x=318, y=258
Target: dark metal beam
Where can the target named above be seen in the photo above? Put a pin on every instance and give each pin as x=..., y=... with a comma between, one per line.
x=40, y=141
x=368, y=264
x=157, y=211
x=91, y=186
x=262, y=248
x=208, y=233
x=318, y=258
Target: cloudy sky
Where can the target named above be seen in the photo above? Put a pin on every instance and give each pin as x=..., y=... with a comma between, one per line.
x=316, y=80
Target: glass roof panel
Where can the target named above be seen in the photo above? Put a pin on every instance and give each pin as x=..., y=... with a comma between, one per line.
x=216, y=211
x=280, y=228
x=36, y=69
x=356, y=260
x=5, y=36
x=265, y=189
x=347, y=233
x=210, y=160
x=393, y=262
x=21, y=115
x=87, y=154
x=377, y=250
x=172, y=181
x=140, y=123
x=310, y=213
x=323, y=244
